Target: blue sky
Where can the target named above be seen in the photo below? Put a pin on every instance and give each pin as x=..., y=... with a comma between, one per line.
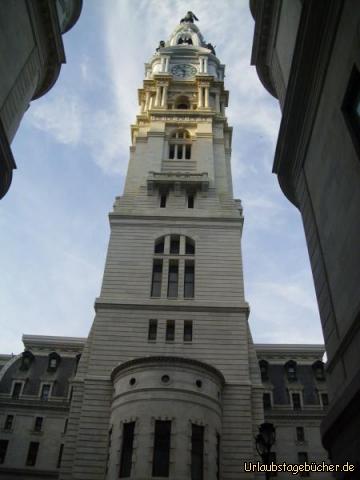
x=72, y=151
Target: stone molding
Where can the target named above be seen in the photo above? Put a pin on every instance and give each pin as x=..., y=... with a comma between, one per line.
x=167, y=360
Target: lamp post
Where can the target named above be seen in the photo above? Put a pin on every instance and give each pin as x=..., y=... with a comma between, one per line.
x=265, y=439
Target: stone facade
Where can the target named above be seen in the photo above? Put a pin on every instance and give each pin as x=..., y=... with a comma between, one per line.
x=31, y=54
x=307, y=54
x=179, y=389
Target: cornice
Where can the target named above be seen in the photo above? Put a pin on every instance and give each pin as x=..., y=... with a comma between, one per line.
x=109, y=303
x=264, y=13
x=167, y=360
x=7, y=162
x=316, y=35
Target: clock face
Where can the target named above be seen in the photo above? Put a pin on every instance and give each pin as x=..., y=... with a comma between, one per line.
x=183, y=71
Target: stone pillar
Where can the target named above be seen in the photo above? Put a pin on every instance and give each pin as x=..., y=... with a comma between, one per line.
x=206, y=65
x=164, y=96
x=217, y=102
x=206, y=97
x=147, y=100
x=200, y=97
x=157, y=98
x=167, y=64
x=163, y=64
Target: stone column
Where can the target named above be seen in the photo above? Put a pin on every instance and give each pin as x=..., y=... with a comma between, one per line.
x=206, y=65
x=200, y=97
x=206, y=97
x=167, y=64
x=164, y=96
x=217, y=102
x=157, y=98
x=147, y=100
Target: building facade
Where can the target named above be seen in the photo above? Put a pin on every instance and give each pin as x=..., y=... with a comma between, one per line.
x=36, y=390
x=31, y=54
x=35, y=395
x=307, y=55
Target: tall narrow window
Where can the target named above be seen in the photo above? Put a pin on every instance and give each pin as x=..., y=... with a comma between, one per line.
x=45, y=392
x=152, y=329
x=188, y=329
x=171, y=151
x=197, y=452
x=267, y=400
x=163, y=201
x=325, y=400
x=38, y=424
x=16, y=390
x=170, y=330
x=32, y=454
x=127, y=449
x=9, y=422
x=161, y=458
x=61, y=449
x=296, y=401
x=179, y=152
x=302, y=458
x=159, y=245
x=3, y=448
x=300, y=434
x=173, y=279
x=218, y=440
x=174, y=245
x=156, y=278
x=189, y=246
x=187, y=152
x=190, y=201
x=189, y=279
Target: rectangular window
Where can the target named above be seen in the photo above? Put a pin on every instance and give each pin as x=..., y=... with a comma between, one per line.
x=8, y=425
x=58, y=465
x=174, y=245
x=163, y=201
x=127, y=449
x=189, y=279
x=351, y=107
x=296, y=401
x=179, y=155
x=325, y=400
x=218, y=440
x=302, y=458
x=171, y=151
x=173, y=279
x=38, y=424
x=170, y=330
x=188, y=152
x=45, y=392
x=32, y=454
x=161, y=457
x=156, y=278
x=16, y=390
x=188, y=329
x=267, y=400
x=197, y=452
x=300, y=434
x=3, y=448
x=152, y=329
x=190, y=201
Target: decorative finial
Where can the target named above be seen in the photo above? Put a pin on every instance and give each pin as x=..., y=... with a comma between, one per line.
x=189, y=17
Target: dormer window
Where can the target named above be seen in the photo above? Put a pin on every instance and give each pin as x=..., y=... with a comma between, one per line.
x=180, y=145
x=26, y=360
x=319, y=370
x=291, y=371
x=54, y=360
x=185, y=39
x=264, y=370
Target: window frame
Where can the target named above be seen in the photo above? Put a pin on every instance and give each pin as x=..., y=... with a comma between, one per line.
x=197, y=451
x=188, y=331
x=170, y=331
x=189, y=279
x=4, y=445
x=32, y=455
x=41, y=392
x=127, y=449
x=9, y=425
x=17, y=382
x=38, y=428
x=152, y=329
x=156, y=282
x=161, y=446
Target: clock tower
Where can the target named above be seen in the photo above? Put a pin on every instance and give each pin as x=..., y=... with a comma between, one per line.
x=168, y=384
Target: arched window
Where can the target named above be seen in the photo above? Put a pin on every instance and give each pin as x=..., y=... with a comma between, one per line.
x=182, y=102
x=26, y=360
x=264, y=370
x=167, y=250
x=185, y=39
x=180, y=145
x=291, y=370
x=319, y=370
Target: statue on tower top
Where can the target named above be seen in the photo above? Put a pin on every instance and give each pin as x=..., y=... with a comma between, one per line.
x=189, y=17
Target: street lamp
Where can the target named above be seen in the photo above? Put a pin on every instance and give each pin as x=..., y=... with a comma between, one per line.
x=265, y=439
